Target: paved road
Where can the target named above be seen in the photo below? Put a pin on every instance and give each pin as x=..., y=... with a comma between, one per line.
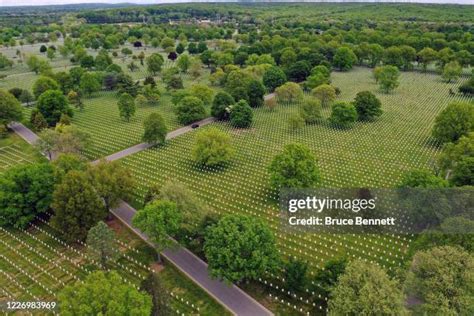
x=233, y=298
x=139, y=147
x=24, y=132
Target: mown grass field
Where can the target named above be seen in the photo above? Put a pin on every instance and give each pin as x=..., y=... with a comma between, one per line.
x=15, y=151
x=367, y=155
x=36, y=265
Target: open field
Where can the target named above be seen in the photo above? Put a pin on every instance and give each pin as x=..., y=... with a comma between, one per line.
x=15, y=151
x=35, y=265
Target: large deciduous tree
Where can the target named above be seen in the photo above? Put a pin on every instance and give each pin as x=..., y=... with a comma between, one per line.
x=240, y=248
x=52, y=104
x=154, y=129
x=289, y=92
x=111, y=181
x=103, y=294
x=221, y=105
x=77, y=206
x=325, y=93
x=343, y=114
x=295, y=167
x=387, y=77
x=443, y=278
x=10, y=108
x=368, y=106
x=273, y=78
x=25, y=192
x=158, y=220
x=344, y=58
x=455, y=121
x=126, y=105
x=241, y=115
x=212, y=148
x=102, y=245
x=190, y=109
x=154, y=63
x=366, y=289
x=44, y=84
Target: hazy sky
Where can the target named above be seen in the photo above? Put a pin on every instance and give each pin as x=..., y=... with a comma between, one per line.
x=42, y=2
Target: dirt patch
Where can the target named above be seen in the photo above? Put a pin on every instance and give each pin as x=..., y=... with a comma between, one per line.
x=115, y=225
x=156, y=267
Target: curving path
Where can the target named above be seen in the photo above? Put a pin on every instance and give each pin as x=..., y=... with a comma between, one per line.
x=230, y=296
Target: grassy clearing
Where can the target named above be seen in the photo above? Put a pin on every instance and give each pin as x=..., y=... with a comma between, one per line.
x=368, y=155
x=15, y=151
x=36, y=265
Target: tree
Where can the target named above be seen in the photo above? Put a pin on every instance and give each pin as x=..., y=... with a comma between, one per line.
x=387, y=77
x=102, y=245
x=344, y=58
x=212, y=148
x=327, y=278
x=463, y=172
x=157, y=220
x=66, y=162
x=298, y=71
x=241, y=115
x=451, y=71
x=427, y=56
x=25, y=192
x=25, y=97
x=126, y=105
x=343, y=114
x=240, y=248
x=289, y=92
x=310, y=111
x=255, y=92
x=443, y=279
x=103, y=294
x=295, y=274
x=154, y=129
x=74, y=98
x=77, y=206
x=192, y=210
x=273, y=78
x=221, y=105
x=422, y=179
x=51, y=53
x=393, y=56
x=112, y=182
x=44, y=84
x=453, y=153
x=295, y=121
x=190, y=109
x=367, y=105
x=37, y=120
x=90, y=83
x=202, y=92
x=167, y=43
x=295, y=167
x=456, y=120
x=52, y=104
x=324, y=93
x=183, y=63
x=10, y=108
x=365, y=289
x=180, y=48
x=154, y=63
x=159, y=297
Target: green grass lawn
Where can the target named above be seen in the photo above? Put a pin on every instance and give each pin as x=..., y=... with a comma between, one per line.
x=14, y=151
x=368, y=155
x=36, y=265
